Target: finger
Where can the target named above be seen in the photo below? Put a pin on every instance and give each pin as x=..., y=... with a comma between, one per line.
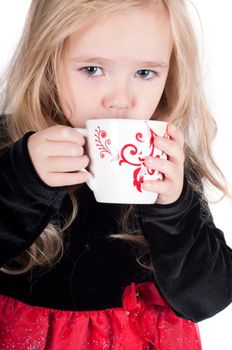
x=166, y=167
x=161, y=187
x=66, y=164
x=176, y=134
x=64, y=133
x=68, y=179
x=63, y=148
x=173, y=150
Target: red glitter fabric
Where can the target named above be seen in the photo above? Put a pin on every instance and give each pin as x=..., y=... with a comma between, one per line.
x=144, y=322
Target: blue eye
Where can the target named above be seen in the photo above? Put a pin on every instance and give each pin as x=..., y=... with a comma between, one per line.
x=92, y=71
x=146, y=74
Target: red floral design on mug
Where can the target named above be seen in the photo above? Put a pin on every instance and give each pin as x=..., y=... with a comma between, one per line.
x=102, y=145
x=131, y=154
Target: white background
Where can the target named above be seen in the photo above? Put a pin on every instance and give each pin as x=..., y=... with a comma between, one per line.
x=216, y=56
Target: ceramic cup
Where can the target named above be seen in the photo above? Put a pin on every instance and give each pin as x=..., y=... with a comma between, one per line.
x=117, y=149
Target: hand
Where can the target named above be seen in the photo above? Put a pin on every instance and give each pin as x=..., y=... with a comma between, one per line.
x=57, y=156
x=171, y=187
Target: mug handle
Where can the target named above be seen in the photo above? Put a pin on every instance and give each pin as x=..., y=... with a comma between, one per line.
x=91, y=183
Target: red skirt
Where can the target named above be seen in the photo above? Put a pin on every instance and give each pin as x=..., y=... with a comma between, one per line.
x=144, y=322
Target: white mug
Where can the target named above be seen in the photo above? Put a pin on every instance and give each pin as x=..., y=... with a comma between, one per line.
x=117, y=149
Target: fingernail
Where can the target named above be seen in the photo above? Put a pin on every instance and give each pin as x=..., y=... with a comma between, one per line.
x=173, y=128
x=82, y=141
x=89, y=176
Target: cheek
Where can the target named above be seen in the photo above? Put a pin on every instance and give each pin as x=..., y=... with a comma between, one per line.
x=149, y=103
x=65, y=105
x=84, y=104
x=72, y=95
x=65, y=95
x=156, y=94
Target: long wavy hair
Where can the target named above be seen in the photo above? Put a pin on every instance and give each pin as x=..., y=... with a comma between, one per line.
x=30, y=98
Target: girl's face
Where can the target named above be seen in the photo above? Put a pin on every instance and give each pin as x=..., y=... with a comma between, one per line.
x=116, y=66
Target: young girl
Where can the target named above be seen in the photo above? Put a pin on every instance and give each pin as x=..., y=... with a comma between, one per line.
x=77, y=274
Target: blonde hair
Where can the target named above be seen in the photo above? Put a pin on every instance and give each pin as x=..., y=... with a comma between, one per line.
x=31, y=94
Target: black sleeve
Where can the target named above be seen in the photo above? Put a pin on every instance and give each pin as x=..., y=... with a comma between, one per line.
x=26, y=203
x=192, y=263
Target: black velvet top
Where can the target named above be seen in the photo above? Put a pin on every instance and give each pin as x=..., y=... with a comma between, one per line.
x=192, y=263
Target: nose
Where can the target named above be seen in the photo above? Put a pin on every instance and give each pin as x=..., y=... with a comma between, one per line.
x=118, y=101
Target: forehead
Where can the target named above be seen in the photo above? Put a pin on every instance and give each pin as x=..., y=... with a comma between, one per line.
x=124, y=35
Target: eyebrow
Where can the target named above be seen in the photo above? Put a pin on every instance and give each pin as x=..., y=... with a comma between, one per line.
x=107, y=60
